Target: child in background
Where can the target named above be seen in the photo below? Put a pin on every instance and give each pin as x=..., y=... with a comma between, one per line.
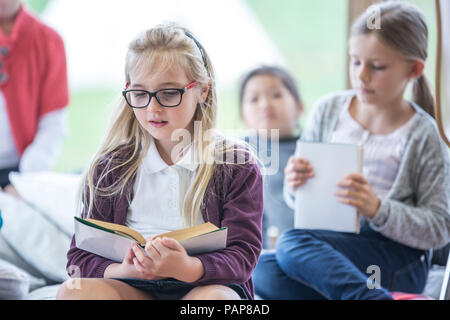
x=144, y=177
x=404, y=193
x=269, y=99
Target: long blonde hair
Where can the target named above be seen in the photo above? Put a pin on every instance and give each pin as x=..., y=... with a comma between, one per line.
x=126, y=141
x=403, y=27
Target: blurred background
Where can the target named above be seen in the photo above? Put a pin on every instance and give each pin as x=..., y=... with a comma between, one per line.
x=308, y=38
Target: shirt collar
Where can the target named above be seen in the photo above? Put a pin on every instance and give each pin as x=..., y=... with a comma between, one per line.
x=187, y=161
x=19, y=25
x=154, y=163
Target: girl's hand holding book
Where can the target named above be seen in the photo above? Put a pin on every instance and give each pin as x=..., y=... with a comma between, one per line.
x=297, y=172
x=128, y=268
x=355, y=190
x=166, y=258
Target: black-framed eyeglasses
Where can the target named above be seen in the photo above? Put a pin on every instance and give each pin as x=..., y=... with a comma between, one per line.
x=167, y=97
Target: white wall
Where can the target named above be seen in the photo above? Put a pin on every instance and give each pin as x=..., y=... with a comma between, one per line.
x=97, y=33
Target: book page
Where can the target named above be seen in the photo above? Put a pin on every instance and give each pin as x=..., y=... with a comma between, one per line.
x=118, y=228
x=189, y=232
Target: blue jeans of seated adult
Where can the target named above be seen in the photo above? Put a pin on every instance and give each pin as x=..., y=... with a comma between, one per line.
x=318, y=264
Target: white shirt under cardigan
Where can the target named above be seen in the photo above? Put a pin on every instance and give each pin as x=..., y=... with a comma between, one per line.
x=382, y=153
x=45, y=149
x=159, y=191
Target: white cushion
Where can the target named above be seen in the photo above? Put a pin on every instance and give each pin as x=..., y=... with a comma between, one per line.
x=8, y=254
x=38, y=241
x=44, y=293
x=53, y=194
x=14, y=282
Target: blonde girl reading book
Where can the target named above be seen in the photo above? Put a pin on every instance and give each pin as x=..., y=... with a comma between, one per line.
x=403, y=194
x=162, y=167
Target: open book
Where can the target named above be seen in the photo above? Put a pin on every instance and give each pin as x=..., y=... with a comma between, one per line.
x=316, y=206
x=112, y=241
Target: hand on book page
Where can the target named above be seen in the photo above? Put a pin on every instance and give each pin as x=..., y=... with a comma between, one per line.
x=356, y=191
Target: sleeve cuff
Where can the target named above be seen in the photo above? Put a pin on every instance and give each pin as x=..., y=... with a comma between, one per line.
x=100, y=269
x=380, y=218
x=209, y=267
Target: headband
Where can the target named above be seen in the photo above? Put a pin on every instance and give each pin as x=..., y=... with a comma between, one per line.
x=199, y=47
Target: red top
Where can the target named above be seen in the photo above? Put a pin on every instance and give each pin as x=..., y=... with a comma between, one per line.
x=34, y=60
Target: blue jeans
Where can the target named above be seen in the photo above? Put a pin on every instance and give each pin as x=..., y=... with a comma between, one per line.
x=319, y=264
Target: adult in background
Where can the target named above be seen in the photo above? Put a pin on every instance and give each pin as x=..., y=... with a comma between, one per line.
x=33, y=93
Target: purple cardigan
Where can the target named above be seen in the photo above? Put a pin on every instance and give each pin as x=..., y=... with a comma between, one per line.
x=233, y=199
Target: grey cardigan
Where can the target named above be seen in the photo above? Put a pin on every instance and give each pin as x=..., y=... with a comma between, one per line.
x=416, y=211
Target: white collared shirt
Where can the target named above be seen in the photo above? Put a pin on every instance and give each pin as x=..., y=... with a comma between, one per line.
x=159, y=192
